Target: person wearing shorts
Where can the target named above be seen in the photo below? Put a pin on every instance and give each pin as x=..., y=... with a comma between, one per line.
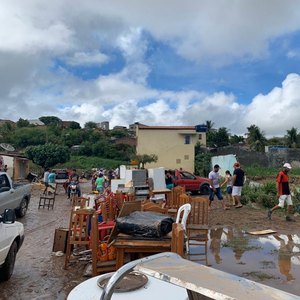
x=214, y=187
x=283, y=192
x=237, y=184
x=228, y=182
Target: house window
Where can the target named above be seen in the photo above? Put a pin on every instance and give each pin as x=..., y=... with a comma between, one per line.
x=187, y=139
x=186, y=157
x=178, y=161
x=200, y=136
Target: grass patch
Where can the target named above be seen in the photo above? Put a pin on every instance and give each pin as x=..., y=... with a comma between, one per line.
x=82, y=163
x=256, y=170
x=259, y=276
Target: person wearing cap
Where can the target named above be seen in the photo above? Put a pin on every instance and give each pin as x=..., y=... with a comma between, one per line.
x=214, y=178
x=237, y=184
x=283, y=192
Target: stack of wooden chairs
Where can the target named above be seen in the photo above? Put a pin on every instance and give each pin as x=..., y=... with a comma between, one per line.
x=79, y=226
x=175, y=201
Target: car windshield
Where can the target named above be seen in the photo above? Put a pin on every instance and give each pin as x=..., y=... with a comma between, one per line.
x=187, y=175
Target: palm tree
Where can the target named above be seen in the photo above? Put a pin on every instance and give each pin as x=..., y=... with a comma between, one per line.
x=256, y=138
x=209, y=125
x=291, y=137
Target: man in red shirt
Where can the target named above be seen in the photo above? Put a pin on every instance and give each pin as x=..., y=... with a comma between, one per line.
x=283, y=191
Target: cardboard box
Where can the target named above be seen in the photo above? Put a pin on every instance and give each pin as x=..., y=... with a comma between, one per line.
x=60, y=239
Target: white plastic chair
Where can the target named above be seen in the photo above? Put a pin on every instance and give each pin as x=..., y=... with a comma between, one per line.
x=186, y=208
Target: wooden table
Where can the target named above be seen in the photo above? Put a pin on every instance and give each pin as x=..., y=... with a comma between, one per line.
x=127, y=244
x=166, y=192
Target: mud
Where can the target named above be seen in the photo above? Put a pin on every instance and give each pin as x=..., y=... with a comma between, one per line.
x=39, y=274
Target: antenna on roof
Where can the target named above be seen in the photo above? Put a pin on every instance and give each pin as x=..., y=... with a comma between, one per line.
x=7, y=147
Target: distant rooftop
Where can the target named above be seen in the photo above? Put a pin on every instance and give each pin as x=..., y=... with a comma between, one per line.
x=167, y=127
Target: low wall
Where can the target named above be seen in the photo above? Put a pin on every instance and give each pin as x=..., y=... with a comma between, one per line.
x=273, y=158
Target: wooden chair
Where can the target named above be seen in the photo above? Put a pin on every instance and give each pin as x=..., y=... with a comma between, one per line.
x=48, y=200
x=81, y=202
x=150, y=206
x=179, y=197
x=109, y=209
x=78, y=231
x=98, y=264
x=197, y=227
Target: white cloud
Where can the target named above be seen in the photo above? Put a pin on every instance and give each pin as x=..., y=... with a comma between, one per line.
x=36, y=34
x=84, y=58
x=278, y=110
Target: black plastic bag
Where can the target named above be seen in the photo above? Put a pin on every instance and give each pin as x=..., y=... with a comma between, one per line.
x=145, y=224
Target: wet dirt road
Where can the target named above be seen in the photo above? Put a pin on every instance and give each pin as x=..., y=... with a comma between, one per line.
x=38, y=273
x=274, y=261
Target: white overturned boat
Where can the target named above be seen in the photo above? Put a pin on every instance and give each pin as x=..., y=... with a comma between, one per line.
x=168, y=276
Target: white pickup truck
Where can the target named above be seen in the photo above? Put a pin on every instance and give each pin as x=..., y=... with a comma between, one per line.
x=11, y=239
x=15, y=196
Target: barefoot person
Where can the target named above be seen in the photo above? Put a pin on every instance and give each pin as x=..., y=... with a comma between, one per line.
x=214, y=188
x=237, y=184
x=283, y=192
x=228, y=182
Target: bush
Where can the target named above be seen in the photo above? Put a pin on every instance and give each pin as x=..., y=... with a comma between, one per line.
x=264, y=194
x=267, y=200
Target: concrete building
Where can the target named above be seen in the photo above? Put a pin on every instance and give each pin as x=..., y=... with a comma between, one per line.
x=174, y=145
x=36, y=122
x=103, y=125
x=17, y=165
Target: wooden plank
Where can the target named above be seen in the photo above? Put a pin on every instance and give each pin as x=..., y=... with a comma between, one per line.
x=177, y=244
x=262, y=232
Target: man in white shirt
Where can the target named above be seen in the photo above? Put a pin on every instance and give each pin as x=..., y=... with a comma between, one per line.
x=214, y=178
x=46, y=182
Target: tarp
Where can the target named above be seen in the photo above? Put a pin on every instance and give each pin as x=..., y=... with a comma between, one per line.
x=225, y=162
x=145, y=224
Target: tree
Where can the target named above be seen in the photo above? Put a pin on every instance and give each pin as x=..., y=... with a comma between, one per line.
x=143, y=159
x=74, y=125
x=218, y=138
x=90, y=125
x=256, y=138
x=202, y=161
x=22, y=123
x=209, y=125
x=48, y=155
x=236, y=139
x=292, y=137
x=29, y=136
x=50, y=120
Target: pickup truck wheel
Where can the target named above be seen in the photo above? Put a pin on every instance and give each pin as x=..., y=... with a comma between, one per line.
x=21, y=211
x=8, y=266
x=204, y=189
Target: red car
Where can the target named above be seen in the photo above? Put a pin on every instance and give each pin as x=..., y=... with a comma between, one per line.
x=192, y=182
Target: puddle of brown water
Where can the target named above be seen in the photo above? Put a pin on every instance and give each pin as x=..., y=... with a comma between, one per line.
x=272, y=260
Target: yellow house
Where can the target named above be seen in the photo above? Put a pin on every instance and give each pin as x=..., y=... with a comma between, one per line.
x=174, y=145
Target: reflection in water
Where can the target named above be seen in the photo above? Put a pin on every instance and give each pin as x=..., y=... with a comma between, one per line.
x=276, y=258
x=285, y=254
x=215, y=243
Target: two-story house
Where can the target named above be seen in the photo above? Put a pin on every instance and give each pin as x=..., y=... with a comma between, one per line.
x=174, y=145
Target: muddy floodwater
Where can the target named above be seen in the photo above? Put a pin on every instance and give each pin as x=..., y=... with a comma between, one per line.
x=273, y=260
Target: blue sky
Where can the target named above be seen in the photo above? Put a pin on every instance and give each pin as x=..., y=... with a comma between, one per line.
x=169, y=62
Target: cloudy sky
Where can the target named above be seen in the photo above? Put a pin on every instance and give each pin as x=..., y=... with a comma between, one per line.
x=168, y=62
